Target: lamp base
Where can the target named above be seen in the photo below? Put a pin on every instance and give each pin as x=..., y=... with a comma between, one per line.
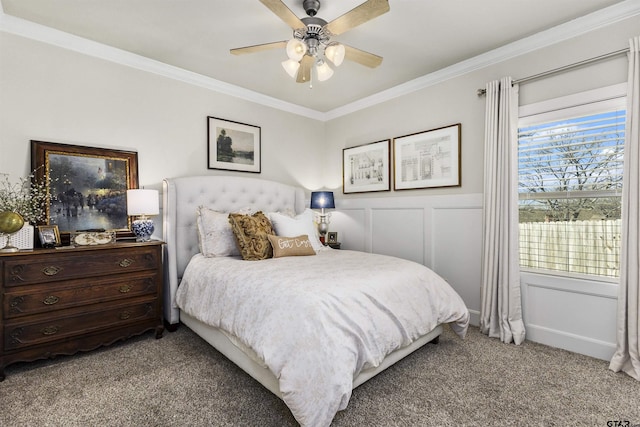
x=142, y=229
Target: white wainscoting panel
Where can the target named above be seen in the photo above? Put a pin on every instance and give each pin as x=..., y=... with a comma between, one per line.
x=456, y=252
x=398, y=232
x=441, y=232
x=578, y=315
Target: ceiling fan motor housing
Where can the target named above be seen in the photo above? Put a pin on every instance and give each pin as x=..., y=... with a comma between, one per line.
x=311, y=7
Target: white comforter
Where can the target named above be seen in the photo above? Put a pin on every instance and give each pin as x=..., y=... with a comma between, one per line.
x=317, y=321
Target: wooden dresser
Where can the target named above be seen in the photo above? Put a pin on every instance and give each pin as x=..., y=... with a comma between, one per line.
x=61, y=301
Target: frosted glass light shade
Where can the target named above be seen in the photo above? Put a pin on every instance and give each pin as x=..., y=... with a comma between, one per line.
x=296, y=49
x=142, y=202
x=291, y=67
x=324, y=71
x=335, y=53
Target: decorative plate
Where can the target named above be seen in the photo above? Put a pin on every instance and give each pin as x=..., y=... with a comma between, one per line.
x=91, y=238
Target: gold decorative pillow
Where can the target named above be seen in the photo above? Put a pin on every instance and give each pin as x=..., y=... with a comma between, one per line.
x=251, y=233
x=291, y=246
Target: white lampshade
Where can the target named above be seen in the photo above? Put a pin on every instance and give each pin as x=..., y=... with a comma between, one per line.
x=324, y=71
x=335, y=53
x=291, y=67
x=296, y=49
x=142, y=202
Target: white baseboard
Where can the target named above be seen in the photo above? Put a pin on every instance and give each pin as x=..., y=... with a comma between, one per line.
x=571, y=342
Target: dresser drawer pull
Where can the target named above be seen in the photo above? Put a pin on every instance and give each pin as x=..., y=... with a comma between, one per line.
x=51, y=270
x=50, y=330
x=125, y=288
x=125, y=262
x=125, y=315
x=50, y=300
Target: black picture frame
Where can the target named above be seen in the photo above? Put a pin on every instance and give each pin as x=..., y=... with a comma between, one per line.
x=233, y=146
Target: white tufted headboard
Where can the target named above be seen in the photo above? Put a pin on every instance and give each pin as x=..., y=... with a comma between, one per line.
x=181, y=198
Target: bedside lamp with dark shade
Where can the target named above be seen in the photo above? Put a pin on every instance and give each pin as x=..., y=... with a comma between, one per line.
x=322, y=200
x=142, y=203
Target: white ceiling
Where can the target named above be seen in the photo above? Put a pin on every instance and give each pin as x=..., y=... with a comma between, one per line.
x=416, y=38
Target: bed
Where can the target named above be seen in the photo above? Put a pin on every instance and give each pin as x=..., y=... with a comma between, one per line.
x=308, y=328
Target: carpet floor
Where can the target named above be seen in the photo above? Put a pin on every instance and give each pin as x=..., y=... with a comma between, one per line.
x=180, y=380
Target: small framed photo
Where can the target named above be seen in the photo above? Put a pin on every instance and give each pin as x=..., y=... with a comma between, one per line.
x=49, y=236
x=365, y=168
x=427, y=159
x=332, y=237
x=233, y=146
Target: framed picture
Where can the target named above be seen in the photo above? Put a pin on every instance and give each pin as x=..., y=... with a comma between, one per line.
x=233, y=146
x=49, y=236
x=427, y=159
x=332, y=237
x=365, y=168
x=87, y=186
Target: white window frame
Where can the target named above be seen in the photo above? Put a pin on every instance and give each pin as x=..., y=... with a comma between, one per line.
x=575, y=105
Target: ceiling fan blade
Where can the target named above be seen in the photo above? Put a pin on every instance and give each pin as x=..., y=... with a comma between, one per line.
x=284, y=13
x=304, y=72
x=359, y=15
x=361, y=57
x=258, y=48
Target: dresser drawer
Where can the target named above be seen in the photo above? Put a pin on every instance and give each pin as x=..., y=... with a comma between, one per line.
x=64, y=266
x=20, y=335
x=24, y=301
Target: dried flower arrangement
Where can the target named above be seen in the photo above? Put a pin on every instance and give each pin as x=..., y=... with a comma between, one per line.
x=27, y=197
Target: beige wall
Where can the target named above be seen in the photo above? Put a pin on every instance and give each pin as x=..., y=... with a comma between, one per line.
x=455, y=101
x=52, y=94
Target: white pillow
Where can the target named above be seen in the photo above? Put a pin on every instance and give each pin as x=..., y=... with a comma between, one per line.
x=302, y=224
x=215, y=235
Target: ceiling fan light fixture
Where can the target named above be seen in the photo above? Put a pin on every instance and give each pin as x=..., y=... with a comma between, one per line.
x=324, y=71
x=296, y=49
x=291, y=67
x=335, y=53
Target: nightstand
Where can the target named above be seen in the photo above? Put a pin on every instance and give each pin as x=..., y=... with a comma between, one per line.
x=62, y=301
x=335, y=245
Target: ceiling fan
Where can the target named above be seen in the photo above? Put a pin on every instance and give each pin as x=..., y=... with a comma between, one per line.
x=311, y=43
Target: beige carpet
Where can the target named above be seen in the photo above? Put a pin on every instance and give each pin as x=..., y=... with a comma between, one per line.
x=180, y=381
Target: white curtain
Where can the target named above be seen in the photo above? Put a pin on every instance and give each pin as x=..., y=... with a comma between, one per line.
x=501, y=306
x=627, y=355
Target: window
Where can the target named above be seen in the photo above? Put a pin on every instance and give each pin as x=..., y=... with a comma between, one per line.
x=570, y=163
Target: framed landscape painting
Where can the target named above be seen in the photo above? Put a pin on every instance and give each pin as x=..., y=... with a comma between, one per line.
x=366, y=168
x=427, y=159
x=233, y=146
x=87, y=185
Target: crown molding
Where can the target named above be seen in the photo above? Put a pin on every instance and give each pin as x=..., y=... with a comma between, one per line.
x=33, y=31
x=576, y=27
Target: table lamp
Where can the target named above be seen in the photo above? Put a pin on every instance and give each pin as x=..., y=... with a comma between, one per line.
x=142, y=203
x=322, y=200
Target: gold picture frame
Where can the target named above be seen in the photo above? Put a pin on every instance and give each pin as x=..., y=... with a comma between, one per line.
x=87, y=186
x=49, y=236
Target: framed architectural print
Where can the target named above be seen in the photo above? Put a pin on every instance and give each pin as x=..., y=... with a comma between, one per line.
x=87, y=186
x=365, y=168
x=427, y=159
x=233, y=146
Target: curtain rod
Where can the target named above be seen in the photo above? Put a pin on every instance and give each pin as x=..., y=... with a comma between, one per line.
x=482, y=92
